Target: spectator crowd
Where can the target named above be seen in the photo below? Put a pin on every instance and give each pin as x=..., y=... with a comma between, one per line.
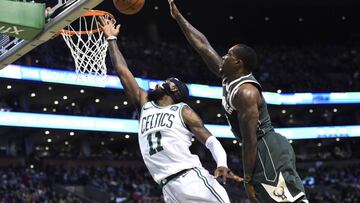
x=305, y=67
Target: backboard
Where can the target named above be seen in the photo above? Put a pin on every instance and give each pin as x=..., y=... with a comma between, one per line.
x=65, y=12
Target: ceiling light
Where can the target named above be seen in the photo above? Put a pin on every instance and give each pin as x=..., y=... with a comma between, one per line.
x=31, y=166
x=116, y=107
x=97, y=100
x=267, y=18
x=66, y=142
x=235, y=141
x=311, y=110
x=8, y=87
x=56, y=102
x=82, y=91
x=47, y=132
x=125, y=103
x=73, y=104
x=32, y=94
x=335, y=110
x=44, y=109
x=46, y=148
x=49, y=140
x=279, y=91
x=102, y=143
x=290, y=141
x=198, y=101
x=283, y=111
x=337, y=139
x=218, y=115
x=49, y=88
x=156, y=7
x=65, y=97
x=72, y=133
x=192, y=139
x=112, y=139
x=54, y=110
x=127, y=136
x=231, y=17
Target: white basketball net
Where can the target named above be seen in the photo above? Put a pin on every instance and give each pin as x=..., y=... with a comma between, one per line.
x=88, y=49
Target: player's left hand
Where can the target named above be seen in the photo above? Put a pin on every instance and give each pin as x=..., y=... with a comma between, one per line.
x=108, y=28
x=226, y=173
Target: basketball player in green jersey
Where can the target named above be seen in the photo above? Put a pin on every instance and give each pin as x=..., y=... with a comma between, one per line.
x=268, y=158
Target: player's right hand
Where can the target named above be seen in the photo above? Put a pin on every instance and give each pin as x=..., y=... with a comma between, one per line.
x=226, y=173
x=173, y=9
x=108, y=28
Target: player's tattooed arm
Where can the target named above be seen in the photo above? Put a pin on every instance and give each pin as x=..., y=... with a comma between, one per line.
x=196, y=126
x=197, y=40
x=137, y=95
x=246, y=101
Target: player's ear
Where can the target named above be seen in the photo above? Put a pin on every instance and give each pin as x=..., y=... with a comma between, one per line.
x=239, y=62
x=174, y=89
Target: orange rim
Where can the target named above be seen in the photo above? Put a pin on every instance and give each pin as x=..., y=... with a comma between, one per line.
x=87, y=14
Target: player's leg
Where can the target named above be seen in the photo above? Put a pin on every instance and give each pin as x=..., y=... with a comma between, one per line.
x=275, y=177
x=196, y=186
x=169, y=196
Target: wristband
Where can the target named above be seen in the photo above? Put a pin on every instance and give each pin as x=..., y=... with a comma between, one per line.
x=111, y=38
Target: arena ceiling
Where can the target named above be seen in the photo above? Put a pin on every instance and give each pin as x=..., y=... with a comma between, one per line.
x=257, y=20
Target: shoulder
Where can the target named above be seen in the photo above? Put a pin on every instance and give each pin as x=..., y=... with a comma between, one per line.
x=245, y=95
x=185, y=109
x=147, y=105
x=189, y=115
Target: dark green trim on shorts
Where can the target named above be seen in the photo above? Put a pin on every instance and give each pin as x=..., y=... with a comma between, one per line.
x=206, y=183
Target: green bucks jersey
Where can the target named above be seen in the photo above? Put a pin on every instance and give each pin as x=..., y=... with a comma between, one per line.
x=229, y=90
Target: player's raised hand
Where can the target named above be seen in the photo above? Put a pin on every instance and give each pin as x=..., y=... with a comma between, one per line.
x=226, y=173
x=173, y=9
x=108, y=28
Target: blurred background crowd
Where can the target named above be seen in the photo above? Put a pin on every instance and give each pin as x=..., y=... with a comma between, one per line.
x=302, y=46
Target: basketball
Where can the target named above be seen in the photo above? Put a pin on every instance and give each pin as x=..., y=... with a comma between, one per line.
x=129, y=7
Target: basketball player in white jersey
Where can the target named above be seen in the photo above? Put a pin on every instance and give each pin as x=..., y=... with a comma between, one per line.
x=167, y=126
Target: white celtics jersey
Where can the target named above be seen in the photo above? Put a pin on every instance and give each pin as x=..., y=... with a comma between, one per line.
x=164, y=140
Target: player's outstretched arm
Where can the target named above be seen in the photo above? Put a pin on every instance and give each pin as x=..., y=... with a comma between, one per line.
x=137, y=95
x=196, y=126
x=245, y=101
x=197, y=40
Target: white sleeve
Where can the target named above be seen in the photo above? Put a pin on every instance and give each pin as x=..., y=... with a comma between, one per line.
x=217, y=151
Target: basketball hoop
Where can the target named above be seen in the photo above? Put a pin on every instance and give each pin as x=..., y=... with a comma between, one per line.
x=87, y=44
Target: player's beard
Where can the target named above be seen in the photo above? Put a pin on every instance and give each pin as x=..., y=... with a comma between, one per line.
x=156, y=94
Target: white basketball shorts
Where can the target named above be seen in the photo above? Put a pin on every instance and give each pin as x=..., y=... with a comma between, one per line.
x=196, y=185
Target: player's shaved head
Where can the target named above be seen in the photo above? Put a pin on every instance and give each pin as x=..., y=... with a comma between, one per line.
x=247, y=55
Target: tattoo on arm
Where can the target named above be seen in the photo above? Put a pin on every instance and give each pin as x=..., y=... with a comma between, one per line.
x=195, y=124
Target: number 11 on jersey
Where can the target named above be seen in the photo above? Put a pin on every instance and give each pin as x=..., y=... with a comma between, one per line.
x=158, y=148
